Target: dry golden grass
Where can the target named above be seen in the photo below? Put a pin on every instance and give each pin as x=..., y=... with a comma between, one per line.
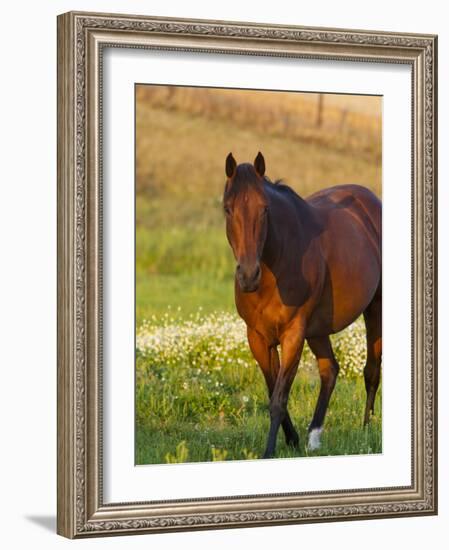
x=341, y=122
x=184, y=134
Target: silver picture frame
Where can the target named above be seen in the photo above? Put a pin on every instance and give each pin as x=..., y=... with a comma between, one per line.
x=82, y=38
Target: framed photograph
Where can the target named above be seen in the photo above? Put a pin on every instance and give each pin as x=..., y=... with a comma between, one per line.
x=247, y=274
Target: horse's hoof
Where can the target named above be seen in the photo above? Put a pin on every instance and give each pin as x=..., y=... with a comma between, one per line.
x=367, y=419
x=268, y=454
x=293, y=441
x=314, y=439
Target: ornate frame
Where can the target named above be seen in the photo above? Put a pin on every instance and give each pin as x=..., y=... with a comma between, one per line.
x=81, y=37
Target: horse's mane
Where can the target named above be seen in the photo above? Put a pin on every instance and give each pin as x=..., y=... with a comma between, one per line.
x=284, y=189
x=246, y=176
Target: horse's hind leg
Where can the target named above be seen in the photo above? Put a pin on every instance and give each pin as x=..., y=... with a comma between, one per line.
x=328, y=368
x=373, y=322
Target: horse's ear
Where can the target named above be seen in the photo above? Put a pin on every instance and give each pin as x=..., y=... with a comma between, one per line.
x=230, y=166
x=259, y=164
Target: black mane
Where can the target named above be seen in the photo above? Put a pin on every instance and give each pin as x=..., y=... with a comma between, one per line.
x=284, y=189
x=246, y=176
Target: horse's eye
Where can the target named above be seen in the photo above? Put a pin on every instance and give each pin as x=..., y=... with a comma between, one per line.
x=265, y=210
x=227, y=210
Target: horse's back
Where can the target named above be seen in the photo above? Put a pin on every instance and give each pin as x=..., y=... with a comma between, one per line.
x=350, y=243
x=350, y=209
x=353, y=198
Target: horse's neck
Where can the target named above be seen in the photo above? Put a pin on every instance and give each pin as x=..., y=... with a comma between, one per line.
x=291, y=226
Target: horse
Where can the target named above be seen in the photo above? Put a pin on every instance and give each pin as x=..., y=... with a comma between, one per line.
x=306, y=269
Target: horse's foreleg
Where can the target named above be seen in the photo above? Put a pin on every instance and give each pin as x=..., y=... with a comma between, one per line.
x=328, y=368
x=373, y=322
x=268, y=359
x=291, y=345
x=291, y=435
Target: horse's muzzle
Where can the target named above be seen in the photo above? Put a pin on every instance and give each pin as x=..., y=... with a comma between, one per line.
x=249, y=278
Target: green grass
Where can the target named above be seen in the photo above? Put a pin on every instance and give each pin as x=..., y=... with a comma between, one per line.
x=182, y=268
x=181, y=293
x=180, y=408
x=201, y=396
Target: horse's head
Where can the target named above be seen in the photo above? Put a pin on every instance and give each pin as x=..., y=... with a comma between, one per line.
x=246, y=207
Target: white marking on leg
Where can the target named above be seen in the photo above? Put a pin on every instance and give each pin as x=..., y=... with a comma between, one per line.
x=314, y=439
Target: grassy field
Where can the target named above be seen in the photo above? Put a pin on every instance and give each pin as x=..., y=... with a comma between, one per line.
x=199, y=394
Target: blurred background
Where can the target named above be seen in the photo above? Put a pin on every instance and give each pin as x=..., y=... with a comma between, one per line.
x=183, y=135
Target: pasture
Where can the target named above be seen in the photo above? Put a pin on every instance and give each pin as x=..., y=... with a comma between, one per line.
x=199, y=394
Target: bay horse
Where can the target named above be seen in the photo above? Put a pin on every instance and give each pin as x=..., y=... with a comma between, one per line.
x=306, y=268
